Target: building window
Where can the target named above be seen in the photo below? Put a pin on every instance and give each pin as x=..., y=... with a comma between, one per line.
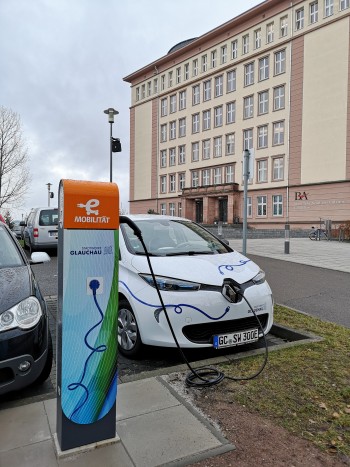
x=163, y=158
x=178, y=75
x=173, y=103
x=217, y=175
x=249, y=74
x=207, y=90
x=269, y=33
x=344, y=4
x=248, y=107
x=186, y=71
x=299, y=19
x=205, y=177
x=172, y=157
x=280, y=62
x=262, y=136
x=195, y=152
x=248, y=139
x=172, y=183
x=263, y=100
x=261, y=206
x=206, y=119
x=249, y=206
x=328, y=7
x=182, y=100
x=262, y=171
x=149, y=88
x=219, y=86
x=284, y=26
x=143, y=91
x=245, y=44
x=182, y=127
x=234, y=49
x=179, y=209
x=182, y=181
x=182, y=154
x=196, y=95
x=278, y=133
x=231, y=81
x=277, y=205
x=195, y=67
x=163, y=184
x=278, y=98
x=194, y=179
x=170, y=79
x=229, y=174
x=313, y=12
x=137, y=94
x=195, y=123
x=277, y=168
x=172, y=130
x=257, y=38
x=164, y=107
x=263, y=68
x=230, y=112
x=223, y=54
x=155, y=86
x=206, y=149
x=218, y=146
x=163, y=133
x=218, y=116
x=213, y=57
x=163, y=209
x=204, y=63
x=230, y=144
x=162, y=82
x=172, y=209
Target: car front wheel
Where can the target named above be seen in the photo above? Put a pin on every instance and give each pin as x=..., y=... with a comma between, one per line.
x=129, y=339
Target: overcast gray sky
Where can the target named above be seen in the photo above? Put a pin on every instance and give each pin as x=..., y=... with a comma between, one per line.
x=63, y=63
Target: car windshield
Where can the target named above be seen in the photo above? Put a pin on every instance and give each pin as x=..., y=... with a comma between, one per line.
x=9, y=255
x=165, y=237
x=48, y=217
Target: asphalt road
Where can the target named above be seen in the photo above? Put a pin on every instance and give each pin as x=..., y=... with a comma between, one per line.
x=316, y=291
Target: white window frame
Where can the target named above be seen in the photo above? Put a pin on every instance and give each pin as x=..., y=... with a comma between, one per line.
x=344, y=4
x=261, y=207
x=257, y=38
x=182, y=127
x=234, y=49
x=248, y=138
x=194, y=179
x=328, y=8
x=213, y=58
x=172, y=129
x=205, y=177
x=172, y=209
x=263, y=102
x=195, y=152
x=162, y=184
x=164, y=107
x=248, y=107
x=163, y=158
x=280, y=62
x=182, y=154
x=173, y=103
x=219, y=86
x=270, y=33
x=313, y=12
x=206, y=120
x=230, y=112
x=262, y=136
x=196, y=94
x=230, y=144
x=277, y=205
x=262, y=171
x=155, y=86
x=186, y=71
x=172, y=183
x=206, y=149
x=163, y=133
x=223, y=54
x=217, y=176
x=204, y=63
x=178, y=75
x=279, y=97
x=182, y=100
x=299, y=19
x=245, y=44
x=195, y=123
x=163, y=209
x=278, y=133
x=231, y=81
x=218, y=146
x=278, y=168
x=182, y=180
x=249, y=74
x=284, y=26
x=264, y=68
x=195, y=68
x=218, y=116
x=170, y=79
x=229, y=174
x=206, y=90
x=172, y=157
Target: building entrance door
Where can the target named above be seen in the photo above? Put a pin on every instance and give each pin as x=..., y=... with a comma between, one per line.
x=199, y=211
x=223, y=210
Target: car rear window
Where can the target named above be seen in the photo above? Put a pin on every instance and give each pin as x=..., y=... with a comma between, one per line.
x=9, y=254
x=48, y=217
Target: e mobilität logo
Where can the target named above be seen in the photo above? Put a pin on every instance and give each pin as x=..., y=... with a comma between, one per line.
x=92, y=214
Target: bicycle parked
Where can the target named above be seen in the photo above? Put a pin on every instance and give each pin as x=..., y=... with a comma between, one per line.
x=318, y=234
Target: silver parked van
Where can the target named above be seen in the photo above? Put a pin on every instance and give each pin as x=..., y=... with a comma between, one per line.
x=41, y=229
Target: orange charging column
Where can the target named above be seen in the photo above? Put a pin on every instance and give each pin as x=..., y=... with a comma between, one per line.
x=88, y=247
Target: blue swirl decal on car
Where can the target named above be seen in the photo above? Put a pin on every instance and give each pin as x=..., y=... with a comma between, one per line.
x=231, y=267
x=178, y=308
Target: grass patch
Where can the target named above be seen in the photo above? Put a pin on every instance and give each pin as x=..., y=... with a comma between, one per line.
x=306, y=388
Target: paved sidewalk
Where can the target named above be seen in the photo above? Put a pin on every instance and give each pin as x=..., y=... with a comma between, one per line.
x=322, y=254
x=155, y=427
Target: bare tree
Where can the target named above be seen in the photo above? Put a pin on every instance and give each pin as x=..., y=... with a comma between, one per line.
x=14, y=173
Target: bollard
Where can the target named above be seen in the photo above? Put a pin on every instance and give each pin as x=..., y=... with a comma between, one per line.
x=286, y=238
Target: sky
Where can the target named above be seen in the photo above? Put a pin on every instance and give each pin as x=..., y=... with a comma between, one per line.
x=62, y=65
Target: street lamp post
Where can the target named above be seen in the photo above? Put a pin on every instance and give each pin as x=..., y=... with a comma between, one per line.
x=111, y=112
x=48, y=193
x=246, y=154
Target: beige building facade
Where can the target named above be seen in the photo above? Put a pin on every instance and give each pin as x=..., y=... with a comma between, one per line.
x=274, y=80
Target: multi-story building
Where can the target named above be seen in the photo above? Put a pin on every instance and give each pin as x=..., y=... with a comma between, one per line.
x=275, y=81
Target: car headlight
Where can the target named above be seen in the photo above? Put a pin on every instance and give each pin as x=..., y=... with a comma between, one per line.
x=170, y=285
x=24, y=315
x=259, y=278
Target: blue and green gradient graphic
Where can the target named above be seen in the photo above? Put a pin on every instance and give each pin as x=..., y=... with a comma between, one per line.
x=89, y=342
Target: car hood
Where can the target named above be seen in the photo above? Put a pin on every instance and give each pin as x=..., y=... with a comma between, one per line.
x=15, y=286
x=204, y=269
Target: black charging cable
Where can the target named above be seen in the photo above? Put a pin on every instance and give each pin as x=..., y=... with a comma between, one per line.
x=204, y=376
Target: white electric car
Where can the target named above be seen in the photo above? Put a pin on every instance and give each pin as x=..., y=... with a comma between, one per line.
x=208, y=289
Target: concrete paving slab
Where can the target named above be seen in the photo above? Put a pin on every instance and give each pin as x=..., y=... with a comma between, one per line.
x=33, y=455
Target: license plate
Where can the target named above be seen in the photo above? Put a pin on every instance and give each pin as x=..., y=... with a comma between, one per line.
x=53, y=234
x=236, y=338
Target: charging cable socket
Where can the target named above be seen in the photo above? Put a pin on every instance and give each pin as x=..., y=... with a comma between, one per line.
x=94, y=284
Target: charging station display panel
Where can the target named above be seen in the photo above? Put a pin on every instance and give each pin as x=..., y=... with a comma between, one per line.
x=88, y=255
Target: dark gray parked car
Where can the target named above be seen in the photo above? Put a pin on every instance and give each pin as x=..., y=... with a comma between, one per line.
x=25, y=340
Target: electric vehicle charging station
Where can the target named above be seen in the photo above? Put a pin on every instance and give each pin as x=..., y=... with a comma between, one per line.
x=88, y=255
